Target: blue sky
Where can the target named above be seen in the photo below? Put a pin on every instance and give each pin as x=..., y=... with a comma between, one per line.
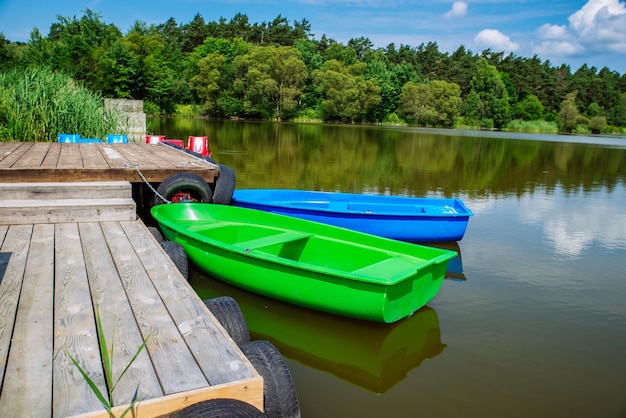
x=564, y=31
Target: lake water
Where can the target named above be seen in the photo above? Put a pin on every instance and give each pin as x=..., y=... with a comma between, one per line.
x=531, y=321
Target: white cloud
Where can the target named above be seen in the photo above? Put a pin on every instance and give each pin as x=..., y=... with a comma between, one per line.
x=496, y=40
x=459, y=8
x=549, y=31
x=559, y=48
x=598, y=27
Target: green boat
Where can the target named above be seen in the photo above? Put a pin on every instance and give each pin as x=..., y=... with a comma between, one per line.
x=307, y=263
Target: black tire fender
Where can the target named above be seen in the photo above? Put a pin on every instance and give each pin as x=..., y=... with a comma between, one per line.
x=227, y=312
x=177, y=254
x=185, y=183
x=213, y=408
x=224, y=185
x=279, y=393
x=156, y=233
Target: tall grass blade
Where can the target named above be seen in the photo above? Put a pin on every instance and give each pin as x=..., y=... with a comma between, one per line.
x=94, y=388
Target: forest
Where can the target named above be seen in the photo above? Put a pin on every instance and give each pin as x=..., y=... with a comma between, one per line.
x=279, y=71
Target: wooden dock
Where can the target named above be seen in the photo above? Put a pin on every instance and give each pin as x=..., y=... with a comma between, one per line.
x=59, y=269
x=70, y=162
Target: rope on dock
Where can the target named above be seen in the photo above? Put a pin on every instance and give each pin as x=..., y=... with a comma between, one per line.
x=136, y=167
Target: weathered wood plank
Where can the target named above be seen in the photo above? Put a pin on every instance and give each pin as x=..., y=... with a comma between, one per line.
x=15, y=154
x=7, y=148
x=92, y=156
x=52, y=157
x=119, y=326
x=65, y=190
x=67, y=162
x=28, y=381
x=140, y=157
x=34, y=157
x=3, y=231
x=16, y=243
x=203, y=333
x=74, y=328
x=70, y=156
x=173, y=362
x=249, y=390
x=66, y=210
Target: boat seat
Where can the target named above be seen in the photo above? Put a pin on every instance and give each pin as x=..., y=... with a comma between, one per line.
x=273, y=240
x=388, y=266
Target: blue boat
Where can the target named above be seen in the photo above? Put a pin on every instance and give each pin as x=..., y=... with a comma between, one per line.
x=412, y=219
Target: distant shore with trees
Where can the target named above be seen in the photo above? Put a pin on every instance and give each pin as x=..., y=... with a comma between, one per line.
x=279, y=71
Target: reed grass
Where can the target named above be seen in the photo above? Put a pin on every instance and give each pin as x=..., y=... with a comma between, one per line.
x=39, y=104
x=111, y=381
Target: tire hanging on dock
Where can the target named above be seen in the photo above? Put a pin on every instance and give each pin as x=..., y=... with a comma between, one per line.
x=188, y=186
x=224, y=185
x=279, y=393
x=156, y=233
x=177, y=254
x=227, y=312
x=214, y=408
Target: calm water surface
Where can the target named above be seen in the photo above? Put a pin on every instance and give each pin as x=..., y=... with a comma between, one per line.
x=531, y=321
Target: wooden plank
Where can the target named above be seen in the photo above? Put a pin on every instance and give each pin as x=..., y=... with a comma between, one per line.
x=7, y=148
x=119, y=326
x=66, y=210
x=205, y=337
x=70, y=156
x=92, y=156
x=173, y=362
x=10, y=159
x=28, y=380
x=250, y=390
x=136, y=155
x=65, y=163
x=179, y=158
x=16, y=243
x=35, y=155
x=52, y=157
x=113, y=158
x=74, y=328
x=65, y=190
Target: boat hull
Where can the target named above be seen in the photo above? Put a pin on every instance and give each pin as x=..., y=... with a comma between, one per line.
x=376, y=279
x=402, y=218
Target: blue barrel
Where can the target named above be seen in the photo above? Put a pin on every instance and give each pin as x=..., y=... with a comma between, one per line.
x=117, y=139
x=87, y=140
x=68, y=137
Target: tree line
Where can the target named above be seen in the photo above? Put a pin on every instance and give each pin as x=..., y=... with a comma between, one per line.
x=279, y=70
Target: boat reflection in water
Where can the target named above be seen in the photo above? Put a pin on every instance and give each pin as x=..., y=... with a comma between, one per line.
x=374, y=356
x=455, y=265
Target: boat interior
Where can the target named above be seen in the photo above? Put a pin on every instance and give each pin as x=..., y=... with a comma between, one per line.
x=306, y=248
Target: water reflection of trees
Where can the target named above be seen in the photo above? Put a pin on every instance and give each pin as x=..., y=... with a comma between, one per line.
x=403, y=161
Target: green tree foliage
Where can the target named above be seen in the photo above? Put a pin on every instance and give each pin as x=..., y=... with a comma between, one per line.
x=434, y=103
x=8, y=53
x=348, y=96
x=490, y=100
x=569, y=115
x=529, y=108
x=217, y=65
x=270, y=80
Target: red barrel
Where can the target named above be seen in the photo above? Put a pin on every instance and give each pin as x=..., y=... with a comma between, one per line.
x=153, y=139
x=199, y=144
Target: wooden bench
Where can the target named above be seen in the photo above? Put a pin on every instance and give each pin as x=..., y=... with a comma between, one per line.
x=279, y=238
x=393, y=265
